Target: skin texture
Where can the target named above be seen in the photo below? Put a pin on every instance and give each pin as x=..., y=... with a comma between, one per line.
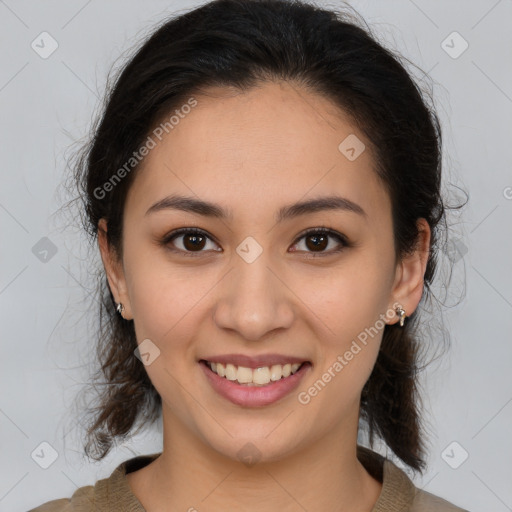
x=253, y=153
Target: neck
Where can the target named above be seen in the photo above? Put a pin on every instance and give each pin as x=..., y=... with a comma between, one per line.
x=190, y=475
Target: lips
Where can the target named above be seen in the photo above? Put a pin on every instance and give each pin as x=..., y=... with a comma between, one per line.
x=252, y=394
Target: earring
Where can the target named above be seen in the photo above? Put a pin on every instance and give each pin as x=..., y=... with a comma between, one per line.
x=401, y=313
x=120, y=309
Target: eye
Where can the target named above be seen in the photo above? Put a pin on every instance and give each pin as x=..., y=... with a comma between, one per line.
x=318, y=239
x=195, y=240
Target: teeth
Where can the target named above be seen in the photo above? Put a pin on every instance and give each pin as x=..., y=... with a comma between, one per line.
x=230, y=371
x=244, y=375
x=257, y=377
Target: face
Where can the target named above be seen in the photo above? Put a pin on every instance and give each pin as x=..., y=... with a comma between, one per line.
x=252, y=289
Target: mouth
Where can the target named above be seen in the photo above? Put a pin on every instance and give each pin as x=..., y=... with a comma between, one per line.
x=254, y=386
x=260, y=376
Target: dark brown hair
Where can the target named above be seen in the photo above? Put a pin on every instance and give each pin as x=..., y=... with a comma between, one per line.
x=240, y=43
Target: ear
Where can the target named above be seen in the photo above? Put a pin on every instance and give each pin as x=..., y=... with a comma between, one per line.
x=410, y=272
x=114, y=270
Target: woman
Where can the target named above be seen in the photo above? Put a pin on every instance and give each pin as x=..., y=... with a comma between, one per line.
x=264, y=186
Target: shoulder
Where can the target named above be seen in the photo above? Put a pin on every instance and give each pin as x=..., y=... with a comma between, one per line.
x=427, y=502
x=81, y=501
x=398, y=490
x=112, y=493
x=410, y=497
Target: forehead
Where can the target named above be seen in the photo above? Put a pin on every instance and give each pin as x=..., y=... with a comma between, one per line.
x=272, y=145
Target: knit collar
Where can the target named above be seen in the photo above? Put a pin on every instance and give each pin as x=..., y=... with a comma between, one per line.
x=397, y=491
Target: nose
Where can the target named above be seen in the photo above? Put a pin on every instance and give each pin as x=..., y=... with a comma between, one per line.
x=254, y=300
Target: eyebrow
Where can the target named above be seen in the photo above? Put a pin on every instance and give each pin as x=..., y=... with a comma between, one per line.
x=208, y=209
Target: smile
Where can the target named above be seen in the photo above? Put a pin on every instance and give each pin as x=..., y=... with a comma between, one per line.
x=254, y=377
x=254, y=387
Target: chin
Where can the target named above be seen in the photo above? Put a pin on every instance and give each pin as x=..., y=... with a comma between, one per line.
x=257, y=442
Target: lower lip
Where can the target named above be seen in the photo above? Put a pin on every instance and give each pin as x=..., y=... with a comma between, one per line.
x=254, y=396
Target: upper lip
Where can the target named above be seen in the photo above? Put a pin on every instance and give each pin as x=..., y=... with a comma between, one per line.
x=254, y=361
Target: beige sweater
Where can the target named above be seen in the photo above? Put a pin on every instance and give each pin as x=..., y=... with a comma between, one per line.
x=113, y=494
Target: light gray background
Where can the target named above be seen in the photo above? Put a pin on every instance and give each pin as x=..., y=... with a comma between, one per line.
x=47, y=104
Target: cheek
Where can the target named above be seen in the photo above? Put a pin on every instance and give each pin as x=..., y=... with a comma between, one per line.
x=348, y=358
x=166, y=303
x=345, y=361
x=353, y=311
x=336, y=392
x=163, y=295
x=350, y=301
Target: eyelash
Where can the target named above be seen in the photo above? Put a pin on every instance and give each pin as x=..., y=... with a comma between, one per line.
x=322, y=231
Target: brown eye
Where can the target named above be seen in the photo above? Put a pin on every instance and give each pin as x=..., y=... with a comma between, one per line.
x=314, y=242
x=193, y=242
x=317, y=240
x=187, y=240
